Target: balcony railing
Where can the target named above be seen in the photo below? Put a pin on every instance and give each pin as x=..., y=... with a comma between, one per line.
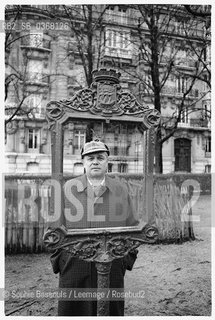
x=124, y=19
x=38, y=78
x=175, y=92
x=191, y=123
x=39, y=112
x=35, y=41
x=118, y=52
x=184, y=124
x=197, y=123
x=200, y=123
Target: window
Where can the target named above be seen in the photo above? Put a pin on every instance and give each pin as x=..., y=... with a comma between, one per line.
x=122, y=14
x=111, y=38
x=115, y=151
x=110, y=167
x=36, y=40
x=33, y=140
x=117, y=39
x=208, y=144
x=122, y=9
x=118, y=43
x=35, y=103
x=33, y=167
x=207, y=54
x=122, y=167
x=208, y=168
x=180, y=27
x=206, y=111
x=122, y=141
x=35, y=70
x=206, y=114
x=141, y=87
x=79, y=140
x=181, y=57
x=182, y=84
x=137, y=148
x=123, y=150
x=110, y=11
x=147, y=79
x=184, y=118
x=182, y=152
x=117, y=14
x=205, y=83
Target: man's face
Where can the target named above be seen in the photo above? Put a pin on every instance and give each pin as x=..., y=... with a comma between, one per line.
x=96, y=164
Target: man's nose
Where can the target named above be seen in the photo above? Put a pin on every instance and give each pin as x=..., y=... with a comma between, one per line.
x=95, y=161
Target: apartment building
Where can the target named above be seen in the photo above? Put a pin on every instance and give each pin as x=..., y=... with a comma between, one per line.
x=43, y=64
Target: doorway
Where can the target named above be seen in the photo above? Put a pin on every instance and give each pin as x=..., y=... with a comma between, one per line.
x=182, y=154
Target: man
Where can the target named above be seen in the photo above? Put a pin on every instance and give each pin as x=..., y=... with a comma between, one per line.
x=91, y=201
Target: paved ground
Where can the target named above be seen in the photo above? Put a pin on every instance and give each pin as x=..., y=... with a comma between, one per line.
x=168, y=280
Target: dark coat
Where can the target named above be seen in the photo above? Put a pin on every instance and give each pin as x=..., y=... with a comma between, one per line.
x=111, y=208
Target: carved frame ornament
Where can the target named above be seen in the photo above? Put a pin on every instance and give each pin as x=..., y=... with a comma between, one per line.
x=105, y=100
x=97, y=247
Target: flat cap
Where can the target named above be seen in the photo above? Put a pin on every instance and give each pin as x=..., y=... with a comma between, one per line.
x=94, y=146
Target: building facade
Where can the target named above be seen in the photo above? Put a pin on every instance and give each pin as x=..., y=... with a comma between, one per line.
x=43, y=63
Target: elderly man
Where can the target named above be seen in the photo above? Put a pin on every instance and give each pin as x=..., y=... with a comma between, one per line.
x=93, y=200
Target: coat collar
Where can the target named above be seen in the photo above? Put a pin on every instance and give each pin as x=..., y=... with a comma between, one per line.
x=84, y=183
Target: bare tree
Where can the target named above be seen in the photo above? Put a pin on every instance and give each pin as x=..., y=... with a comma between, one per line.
x=199, y=11
x=162, y=33
x=86, y=40
x=14, y=77
x=160, y=36
x=18, y=77
x=86, y=24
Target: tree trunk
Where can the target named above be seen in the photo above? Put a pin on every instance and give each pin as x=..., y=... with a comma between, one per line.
x=158, y=153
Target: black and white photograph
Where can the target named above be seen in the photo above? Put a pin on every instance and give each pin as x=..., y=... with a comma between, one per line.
x=107, y=159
